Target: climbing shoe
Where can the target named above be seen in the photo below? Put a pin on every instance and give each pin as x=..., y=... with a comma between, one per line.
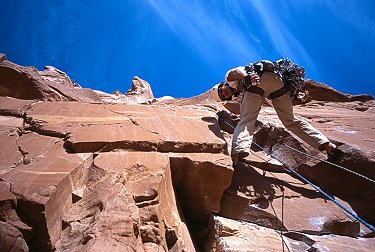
x=334, y=154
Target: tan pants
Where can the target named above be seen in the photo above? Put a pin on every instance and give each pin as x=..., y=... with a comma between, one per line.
x=250, y=107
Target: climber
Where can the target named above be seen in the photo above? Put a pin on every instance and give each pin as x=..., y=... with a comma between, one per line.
x=254, y=89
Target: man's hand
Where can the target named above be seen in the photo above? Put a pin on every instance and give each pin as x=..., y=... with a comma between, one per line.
x=252, y=79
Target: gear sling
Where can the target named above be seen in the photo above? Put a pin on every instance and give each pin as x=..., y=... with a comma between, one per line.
x=291, y=74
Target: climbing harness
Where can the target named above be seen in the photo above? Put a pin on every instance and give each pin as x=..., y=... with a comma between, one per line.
x=288, y=168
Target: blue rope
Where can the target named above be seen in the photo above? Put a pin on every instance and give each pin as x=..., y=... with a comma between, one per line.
x=313, y=185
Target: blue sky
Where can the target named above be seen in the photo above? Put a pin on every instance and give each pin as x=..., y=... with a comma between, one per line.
x=184, y=47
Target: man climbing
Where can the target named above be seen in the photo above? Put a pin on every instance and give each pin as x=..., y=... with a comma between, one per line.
x=255, y=86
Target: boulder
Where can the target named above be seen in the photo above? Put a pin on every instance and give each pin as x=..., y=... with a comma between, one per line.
x=11, y=238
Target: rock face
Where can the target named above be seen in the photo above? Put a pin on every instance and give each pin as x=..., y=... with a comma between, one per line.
x=29, y=83
x=322, y=92
x=139, y=93
x=81, y=170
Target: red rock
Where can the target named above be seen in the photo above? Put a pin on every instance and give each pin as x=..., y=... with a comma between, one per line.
x=135, y=206
x=28, y=83
x=13, y=232
x=358, y=191
x=11, y=238
x=52, y=74
x=140, y=92
x=276, y=200
x=10, y=156
x=94, y=127
x=44, y=188
x=94, y=176
x=13, y=107
x=322, y=92
x=200, y=179
x=230, y=235
x=23, y=83
x=141, y=87
x=2, y=57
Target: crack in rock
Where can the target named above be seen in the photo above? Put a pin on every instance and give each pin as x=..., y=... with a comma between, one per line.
x=134, y=122
x=36, y=126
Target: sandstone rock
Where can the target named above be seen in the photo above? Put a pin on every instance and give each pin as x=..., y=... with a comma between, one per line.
x=2, y=57
x=362, y=98
x=94, y=127
x=263, y=161
x=200, y=179
x=60, y=81
x=227, y=121
x=10, y=156
x=201, y=99
x=140, y=86
x=92, y=176
x=24, y=83
x=11, y=238
x=276, y=200
x=322, y=92
x=13, y=231
x=139, y=93
x=57, y=76
x=334, y=242
x=28, y=83
x=330, y=178
x=229, y=235
x=13, y=107
x=44, y=186
x=131, y=203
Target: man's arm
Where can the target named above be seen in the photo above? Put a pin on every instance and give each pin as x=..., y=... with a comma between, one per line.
x=238, y=73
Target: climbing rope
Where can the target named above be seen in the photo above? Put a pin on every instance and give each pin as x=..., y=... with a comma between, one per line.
x=314, y=186
x=318, y=189
x=282, y=217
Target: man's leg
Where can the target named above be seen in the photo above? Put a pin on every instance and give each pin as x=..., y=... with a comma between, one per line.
x=242, y=136
x=304, y=130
